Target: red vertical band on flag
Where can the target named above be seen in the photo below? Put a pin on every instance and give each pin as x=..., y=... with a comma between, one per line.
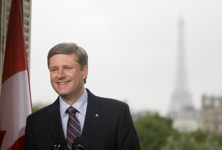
x=15, y=52
x=15, y=100
x=2, y=135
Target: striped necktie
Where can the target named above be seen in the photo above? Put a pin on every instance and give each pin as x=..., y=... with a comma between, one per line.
x=73, y=127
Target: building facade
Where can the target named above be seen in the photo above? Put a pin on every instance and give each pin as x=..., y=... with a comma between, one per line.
x=187, y=121
x=211, y=114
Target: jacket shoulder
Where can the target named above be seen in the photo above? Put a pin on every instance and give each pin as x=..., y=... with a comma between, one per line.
x=45, y=110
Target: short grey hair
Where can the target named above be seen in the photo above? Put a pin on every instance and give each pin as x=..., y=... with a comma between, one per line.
x=69, y=48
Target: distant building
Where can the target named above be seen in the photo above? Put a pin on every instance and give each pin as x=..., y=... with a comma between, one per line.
x=5, y=6
x=211, y=114
x=187, y=121
x=181, y=110
x=140, y=114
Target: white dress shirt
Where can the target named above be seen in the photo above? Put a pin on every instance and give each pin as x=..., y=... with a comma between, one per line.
x=80, y=105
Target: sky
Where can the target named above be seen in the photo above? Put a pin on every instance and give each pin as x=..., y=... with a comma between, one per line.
x=132, y=47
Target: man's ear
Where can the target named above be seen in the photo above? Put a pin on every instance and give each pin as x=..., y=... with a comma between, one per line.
x=84, y=72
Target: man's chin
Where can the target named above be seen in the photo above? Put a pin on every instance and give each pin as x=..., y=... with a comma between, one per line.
x=63, y=94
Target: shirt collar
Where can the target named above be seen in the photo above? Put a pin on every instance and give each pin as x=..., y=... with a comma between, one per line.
x=80, y=105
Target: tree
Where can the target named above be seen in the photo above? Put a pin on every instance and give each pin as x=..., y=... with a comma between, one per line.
x=37, y=107
x=197, y=140
x=153, y=131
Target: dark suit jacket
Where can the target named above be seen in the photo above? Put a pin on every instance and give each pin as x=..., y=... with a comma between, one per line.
x=112, y=129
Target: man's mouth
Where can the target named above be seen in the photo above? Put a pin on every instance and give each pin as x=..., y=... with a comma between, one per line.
x=62, y=83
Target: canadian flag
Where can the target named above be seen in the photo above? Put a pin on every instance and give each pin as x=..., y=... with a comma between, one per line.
x=15, y=100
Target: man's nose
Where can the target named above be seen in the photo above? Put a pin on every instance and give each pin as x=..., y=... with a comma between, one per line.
x=61, y=73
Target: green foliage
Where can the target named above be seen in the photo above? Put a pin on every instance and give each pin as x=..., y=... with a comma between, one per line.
x=153, y=131
x=199, y=136
x=197, y=140
x=34, y=109
x=156, y=133
x=219, y=139
x=37, y=107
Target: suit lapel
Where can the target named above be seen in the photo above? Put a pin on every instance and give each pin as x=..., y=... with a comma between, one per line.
x=53, y=120
x=94, y=115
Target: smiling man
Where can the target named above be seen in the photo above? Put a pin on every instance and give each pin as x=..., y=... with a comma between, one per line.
x=103, y=123
x=67, y=77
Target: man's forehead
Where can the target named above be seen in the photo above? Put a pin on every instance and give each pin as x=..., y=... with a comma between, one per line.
x=62, y=59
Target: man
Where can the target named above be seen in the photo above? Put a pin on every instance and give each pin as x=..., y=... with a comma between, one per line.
x=103, y=123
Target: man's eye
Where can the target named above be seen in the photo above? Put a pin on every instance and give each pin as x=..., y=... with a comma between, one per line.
x=53, y=70
x=67, y=68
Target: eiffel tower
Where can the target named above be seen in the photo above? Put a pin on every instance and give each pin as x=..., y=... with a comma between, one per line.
x=181, y=102
x=181, y=111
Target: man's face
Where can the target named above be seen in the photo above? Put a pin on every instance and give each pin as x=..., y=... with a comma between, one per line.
x=67, y=76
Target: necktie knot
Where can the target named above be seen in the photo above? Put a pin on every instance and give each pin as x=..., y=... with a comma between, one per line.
x=71, y=110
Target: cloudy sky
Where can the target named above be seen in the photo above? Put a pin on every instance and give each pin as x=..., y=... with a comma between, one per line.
x=132, y=47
